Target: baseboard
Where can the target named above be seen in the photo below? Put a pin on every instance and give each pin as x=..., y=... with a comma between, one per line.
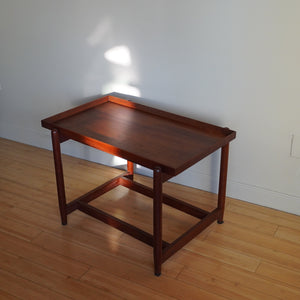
x=238, y=190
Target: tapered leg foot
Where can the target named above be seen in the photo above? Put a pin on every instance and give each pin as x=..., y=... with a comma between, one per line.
x=59, y=176
x=157, y=220
x=157, y=274
x=222, y=183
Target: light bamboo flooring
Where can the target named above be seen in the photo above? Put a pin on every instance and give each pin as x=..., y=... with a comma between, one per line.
x=255, y=254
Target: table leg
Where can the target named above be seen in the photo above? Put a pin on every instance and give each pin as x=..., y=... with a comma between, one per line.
x=222, y=182
x=59, y=176
x=157, y=220
x=130, y=169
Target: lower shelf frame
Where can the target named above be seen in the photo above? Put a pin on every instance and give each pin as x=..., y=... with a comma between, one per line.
x=168, y=249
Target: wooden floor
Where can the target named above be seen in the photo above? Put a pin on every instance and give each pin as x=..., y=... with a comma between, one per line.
x=255, y=254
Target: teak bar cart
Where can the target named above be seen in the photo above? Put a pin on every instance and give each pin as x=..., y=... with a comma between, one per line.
x=161, y=141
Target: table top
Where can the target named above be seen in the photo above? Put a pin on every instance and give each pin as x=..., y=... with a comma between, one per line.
x=141, y=134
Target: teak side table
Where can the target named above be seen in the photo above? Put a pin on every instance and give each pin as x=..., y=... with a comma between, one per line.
x=161, y=141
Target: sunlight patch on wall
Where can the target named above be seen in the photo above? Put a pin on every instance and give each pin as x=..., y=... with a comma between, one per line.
x=121, y=88
x=119, y=55
x=122, y=72
x=118, y=161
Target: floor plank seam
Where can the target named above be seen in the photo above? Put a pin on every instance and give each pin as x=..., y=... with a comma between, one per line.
x=36, y=283
x=12, y=295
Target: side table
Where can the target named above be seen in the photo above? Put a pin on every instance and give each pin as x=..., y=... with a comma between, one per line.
x=164, y=142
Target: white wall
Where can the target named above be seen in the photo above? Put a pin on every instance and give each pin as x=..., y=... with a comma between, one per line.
x=234, y=63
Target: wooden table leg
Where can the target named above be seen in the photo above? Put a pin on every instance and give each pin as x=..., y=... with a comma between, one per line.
x=59, y=176
x=222, y=182
x=130, y=169
x=157, y=220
